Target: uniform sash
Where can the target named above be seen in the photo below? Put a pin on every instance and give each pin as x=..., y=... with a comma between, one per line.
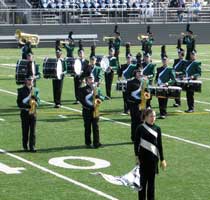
x=159, y=77
x=188, y=68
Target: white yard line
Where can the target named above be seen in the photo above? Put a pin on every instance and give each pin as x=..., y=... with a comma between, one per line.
x=44, y=169
x=62, y=116
x=1, y=119
x=126, y=124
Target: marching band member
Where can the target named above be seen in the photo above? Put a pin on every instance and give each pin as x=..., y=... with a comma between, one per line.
x=33, y=69
x=165, y=76
x=27, y=100
x=96, y=71
x=109, y=74
x=90, y=99
x=117, y=43
x=147, y=42
x=148, y=150
x=58, y=83
x=179, y=68
x=26, y=49
x=70, y=47
x=149, y=72
x=193, y=71
x=79, y=78
x=126, y=72
x=189, y=40
x=134, y=99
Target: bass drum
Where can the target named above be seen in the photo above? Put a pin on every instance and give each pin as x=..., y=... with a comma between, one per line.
x=77, y=67
x=52, y=68
x=105, y=64
x=21, y=71
x=70, y=66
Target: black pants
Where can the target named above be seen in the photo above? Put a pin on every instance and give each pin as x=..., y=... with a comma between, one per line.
x=57, y=90
x=28, y=123
x=147, y=180
x=178, y=101
x=163, y=105
x=125, y=101
x=88, y=122
x=77, y=85
x=108, y=82
x=136, y=118
x=190, y=97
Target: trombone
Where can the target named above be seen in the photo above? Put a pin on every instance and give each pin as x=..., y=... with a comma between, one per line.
x=141, y=37
x=106, y=39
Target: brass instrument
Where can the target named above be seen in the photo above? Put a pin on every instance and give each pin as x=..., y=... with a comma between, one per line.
x=144, y=95
x=141, y=37
x=107, y=39
x=22, y=38
x=32, y=103
x=96, y=103
x=174, y=35
x=63, y=42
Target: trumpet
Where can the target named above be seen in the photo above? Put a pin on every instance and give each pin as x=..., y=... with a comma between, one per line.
x=32, y=103
x=22, y=38
x=141, y=37
x=106, y=39
x=96, y=103
x=144, y=95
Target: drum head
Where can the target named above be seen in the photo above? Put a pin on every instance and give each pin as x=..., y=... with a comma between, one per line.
x=104, y=63
x=59, y=69
x=78, y=67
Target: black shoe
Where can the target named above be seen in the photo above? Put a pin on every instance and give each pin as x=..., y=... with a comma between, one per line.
x=162, y=117
x=88, y=146
x=176, y=105
x=57, y=106
x=25, y=149
x=97, y=145
x=189, y=111
x=33, y=150
x=76, y=102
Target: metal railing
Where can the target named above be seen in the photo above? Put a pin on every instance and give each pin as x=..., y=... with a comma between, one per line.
x=108, y=15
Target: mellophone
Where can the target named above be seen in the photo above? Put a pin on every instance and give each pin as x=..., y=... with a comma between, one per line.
x=194, y=84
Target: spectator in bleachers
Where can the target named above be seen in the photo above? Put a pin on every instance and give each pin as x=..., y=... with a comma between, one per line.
x=66, y=3
x=44, y=3
x=196, y=7
x=180, y=11
x=51, y=4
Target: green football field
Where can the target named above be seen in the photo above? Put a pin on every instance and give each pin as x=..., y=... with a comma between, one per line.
x=60, y=133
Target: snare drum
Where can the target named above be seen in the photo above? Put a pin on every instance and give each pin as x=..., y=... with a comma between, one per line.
x=174, y=92
x=194, y=84
x=152, y=90
x=161, y=92
x=70, y=66
x=21, y=71
x=121, y=85
x=52, y=68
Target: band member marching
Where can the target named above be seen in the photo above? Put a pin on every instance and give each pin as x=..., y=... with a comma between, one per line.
x=33, y=69
x=90, y=99
x=58, y=83
x=117, y=43
x=109, y=74
x=78, y=78
x=179, y=68
x=26, y=49
x=193, y=71
x=165, y=76
x=126, y=72
x=28, y=100
x=147, y=41
x=70, y=47
x=149, y=72
x=148, y=150
x=135, y=91
x=189, y=40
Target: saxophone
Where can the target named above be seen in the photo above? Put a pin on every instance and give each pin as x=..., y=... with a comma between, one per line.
x=32, y=103
x=96, y=103
x=144, y=95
